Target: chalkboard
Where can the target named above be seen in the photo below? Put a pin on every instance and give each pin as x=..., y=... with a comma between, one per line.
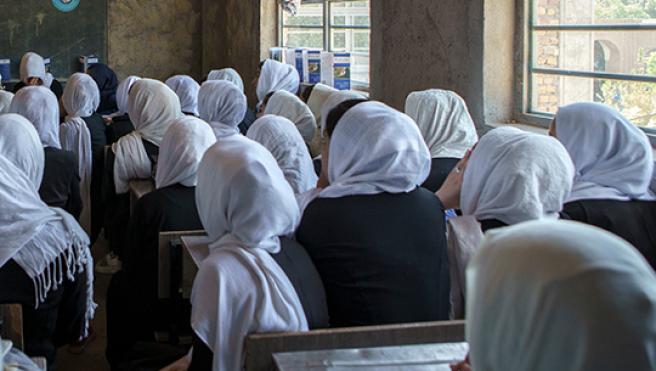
x=36, y=25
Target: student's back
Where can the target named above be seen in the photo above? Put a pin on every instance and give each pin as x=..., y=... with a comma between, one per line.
x=382, y=257
x=61, y=183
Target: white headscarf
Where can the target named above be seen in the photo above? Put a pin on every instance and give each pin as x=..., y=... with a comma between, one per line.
x=613, y=158
x=34, y=235
x=152, y=108
x=375, y=149
x=320, y=94
x=560, y=295
x=514, y=176
x=444, y=121
x=275, y=76
x=40, y=106
x=122, y=94
x=332, y=102
x=186, y=89
x=81, y=98
x=282, y=139
x=180, y=153
x=5, y=101
x=223, y=106
x=227, y=74
x=32, y=65
x=244, y=203
x=289, y=106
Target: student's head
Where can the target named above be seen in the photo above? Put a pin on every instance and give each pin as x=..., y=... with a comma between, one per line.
x=152, y=107
x=81, y=96
x=560, y=295
x=107, y=83
x=290, y=106
x=329, y=103
x=263, y=106
x=222, y=105
x=275, y=76
x=613, y=158
x=515, y=176
x=123, y=91
x=20, y=145
x=186, y=88
x=5, y=101
x=39, y=106
x=32, y=69
x=227, y=74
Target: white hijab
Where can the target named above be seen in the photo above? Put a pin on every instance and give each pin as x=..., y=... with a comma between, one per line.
x=186, y=89
x=5, y=101
x=81, y=98
x=514, y=176
x=184, y=145
x=275, y=76
x=40, y=106
x=444, y=122
x=560, y=295
x=227, y=74
x=223, y=106
x=152, y=108
x=334, y=100
x=34, y=235
x=289, y=106
x=32, y=65
x=282, y=139
x=320, y=94
x=122, y=94
x=245, y=204
x=613, y=158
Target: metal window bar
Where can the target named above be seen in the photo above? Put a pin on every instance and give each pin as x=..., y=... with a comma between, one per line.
x=595, y=27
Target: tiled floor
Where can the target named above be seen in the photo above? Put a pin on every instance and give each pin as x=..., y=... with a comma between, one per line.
x=93, y=357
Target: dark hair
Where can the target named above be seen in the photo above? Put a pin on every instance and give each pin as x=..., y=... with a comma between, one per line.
x=265, y=101
x=307, y=92
x=338, y=112
x=262, y=64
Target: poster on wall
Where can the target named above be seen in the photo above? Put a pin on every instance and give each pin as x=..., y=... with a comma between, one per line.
x=66, y=5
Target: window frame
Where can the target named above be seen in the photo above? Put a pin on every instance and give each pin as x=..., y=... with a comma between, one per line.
x=527, y=66
x=327, y=28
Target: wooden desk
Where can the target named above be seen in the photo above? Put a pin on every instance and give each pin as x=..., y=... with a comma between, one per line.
x=138, y=189
x=11, y=316
x=164, y=265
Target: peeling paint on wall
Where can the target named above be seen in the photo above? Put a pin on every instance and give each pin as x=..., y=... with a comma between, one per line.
x=155, y=39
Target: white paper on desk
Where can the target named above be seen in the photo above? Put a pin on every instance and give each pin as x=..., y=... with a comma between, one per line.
x=198, y=247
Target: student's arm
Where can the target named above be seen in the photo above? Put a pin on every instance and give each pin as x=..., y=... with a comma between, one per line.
x=449, y=193
x=74, y=202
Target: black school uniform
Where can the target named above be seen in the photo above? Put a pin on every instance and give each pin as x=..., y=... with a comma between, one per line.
x=121, y=126
x=60, y=186
x=97, y=129
x=440, y=169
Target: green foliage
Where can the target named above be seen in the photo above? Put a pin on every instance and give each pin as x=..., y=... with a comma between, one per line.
x=625, y=9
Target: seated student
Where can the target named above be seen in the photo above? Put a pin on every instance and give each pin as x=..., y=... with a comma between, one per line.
x=80, y=100
x=229, y=74
x=119, y=124
x=559, y=295
x=5, y=101
x=614, y=166
x=274, y=76
x=289, y=106
x=253, y=280
x=282, y=139
x=61, y=180
x=186, y=89
x=223, y=106
x=107, y=83
x=172, y=207
x=316, y=97
x=376, y=237
x=447, y=127
x=45, y=264
x=33, y=73
x=512, y=176
x=152, y=108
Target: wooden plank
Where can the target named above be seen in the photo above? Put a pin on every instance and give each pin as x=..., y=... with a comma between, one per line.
x=164, y=260
x=261, y=347
x=11, y=316
x=195, y=250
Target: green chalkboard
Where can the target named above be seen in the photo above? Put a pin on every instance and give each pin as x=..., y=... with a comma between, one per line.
x=36, y=25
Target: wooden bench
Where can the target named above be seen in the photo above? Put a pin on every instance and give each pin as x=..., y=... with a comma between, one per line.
x=259, y=348
x=11, y=323
x=164, y=265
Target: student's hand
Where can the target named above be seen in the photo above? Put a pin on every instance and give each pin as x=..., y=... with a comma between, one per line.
x=108, y=120
x=449, y=193
x=462, y=366
x=180, y=365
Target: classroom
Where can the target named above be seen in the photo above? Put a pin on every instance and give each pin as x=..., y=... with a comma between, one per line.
x=353, y=185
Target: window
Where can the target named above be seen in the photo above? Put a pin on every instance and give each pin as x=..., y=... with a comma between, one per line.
x=596, y=51
x=332, y=25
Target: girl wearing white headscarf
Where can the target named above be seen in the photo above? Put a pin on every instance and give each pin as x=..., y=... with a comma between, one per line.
x=282, y=139
x=5, y=101
x=447, y=128
x=186, y=89
x=373, y=204
x=171, y=207
x=245, y=204
x=288, y=105
x=511, y=177
x=61, y=179
x=614, y=168
x=223, y=106
x=528, y=308
x=227, y=74
x=44, y=254
x=33, y=73
x=81, y=99
x=119, y=123
x=318, y=95
x=276, y=76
